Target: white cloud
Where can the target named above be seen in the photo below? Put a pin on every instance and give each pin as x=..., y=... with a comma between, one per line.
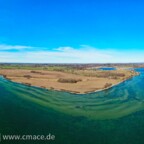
x=64, y=49
x=13, y=47
x=84, y=54
x=70, y=55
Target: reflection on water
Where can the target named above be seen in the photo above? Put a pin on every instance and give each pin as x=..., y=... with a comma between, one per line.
x=112, y=116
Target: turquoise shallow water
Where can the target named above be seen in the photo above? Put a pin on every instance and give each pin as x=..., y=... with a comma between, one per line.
x=114, y=116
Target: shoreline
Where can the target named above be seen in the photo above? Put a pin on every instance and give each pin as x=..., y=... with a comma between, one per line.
x=71, y=92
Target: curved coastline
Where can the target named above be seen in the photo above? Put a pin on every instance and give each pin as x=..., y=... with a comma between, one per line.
x=119, y=108
x=72, y=92
x=120, y=101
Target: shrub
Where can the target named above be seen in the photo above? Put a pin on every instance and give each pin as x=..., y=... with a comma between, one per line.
x=68, y=80
x=107, y=85
x=28, y=84
x=36, y=72
x=27, y=76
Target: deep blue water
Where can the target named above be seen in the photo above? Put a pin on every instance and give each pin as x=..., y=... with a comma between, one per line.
x=113, y=116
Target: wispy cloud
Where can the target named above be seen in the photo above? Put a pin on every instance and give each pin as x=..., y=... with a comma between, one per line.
x=14, y=47
x=82, y=54
x=71, y=55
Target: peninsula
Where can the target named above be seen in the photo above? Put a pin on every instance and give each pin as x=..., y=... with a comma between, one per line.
x=72, y=79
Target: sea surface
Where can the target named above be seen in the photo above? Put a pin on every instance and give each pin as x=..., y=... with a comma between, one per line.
x=113, y=116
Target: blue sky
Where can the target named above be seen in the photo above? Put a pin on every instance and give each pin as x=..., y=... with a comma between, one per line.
x=71, y=31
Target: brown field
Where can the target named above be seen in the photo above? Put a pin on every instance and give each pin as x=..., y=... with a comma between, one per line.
x=77, y=81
